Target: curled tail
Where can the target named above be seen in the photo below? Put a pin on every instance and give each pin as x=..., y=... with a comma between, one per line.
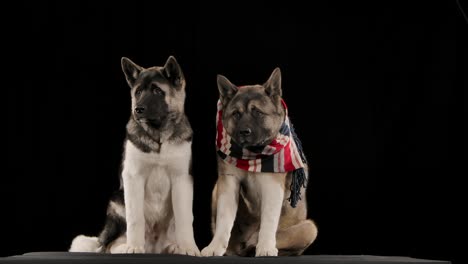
x=84, y=243
x=114, y=227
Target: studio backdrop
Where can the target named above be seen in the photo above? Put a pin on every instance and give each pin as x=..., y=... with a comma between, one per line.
x=375, y=92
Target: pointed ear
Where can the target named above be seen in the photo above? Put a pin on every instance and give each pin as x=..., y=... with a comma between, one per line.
x=173, y=72
x=273, y=85
x=131, y=70
x=227, y=90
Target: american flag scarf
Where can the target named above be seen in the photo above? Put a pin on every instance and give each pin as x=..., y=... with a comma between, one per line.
x=281, y=155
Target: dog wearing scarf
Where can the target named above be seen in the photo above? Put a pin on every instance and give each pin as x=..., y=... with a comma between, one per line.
x=257, y=208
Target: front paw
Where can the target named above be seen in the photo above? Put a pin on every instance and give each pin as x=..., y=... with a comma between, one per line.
x=213, y=250
x=127, y=249
x=266, y=251
x=190, y=249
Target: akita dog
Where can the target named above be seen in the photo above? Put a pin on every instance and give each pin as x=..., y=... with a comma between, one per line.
x=260, y=165
x=152, y=211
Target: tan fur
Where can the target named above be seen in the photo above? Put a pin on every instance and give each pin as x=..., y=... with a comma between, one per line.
x=295, y=233
x=251, y=214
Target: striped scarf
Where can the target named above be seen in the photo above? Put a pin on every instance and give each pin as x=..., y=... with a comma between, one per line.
x=281, y=155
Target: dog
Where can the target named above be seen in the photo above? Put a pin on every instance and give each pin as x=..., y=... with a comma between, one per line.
x=260, y=164
x=152, y=211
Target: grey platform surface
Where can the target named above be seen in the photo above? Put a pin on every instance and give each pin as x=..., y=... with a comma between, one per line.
x=94, y=258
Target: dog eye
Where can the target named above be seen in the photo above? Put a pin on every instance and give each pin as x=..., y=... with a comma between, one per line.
x=236, y=114
x=157, y=90
x=257, y=112
x=138, y=92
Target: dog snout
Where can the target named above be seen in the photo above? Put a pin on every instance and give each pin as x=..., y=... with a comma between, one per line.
x=139, y=110
x=245, y=132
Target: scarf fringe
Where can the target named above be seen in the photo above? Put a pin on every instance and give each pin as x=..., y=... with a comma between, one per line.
x=299, y=177
x=299, y=180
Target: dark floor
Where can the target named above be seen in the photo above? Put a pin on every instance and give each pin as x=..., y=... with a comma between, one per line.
x=74, y=258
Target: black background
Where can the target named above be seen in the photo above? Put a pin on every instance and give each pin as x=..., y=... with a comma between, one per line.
x=375, y=90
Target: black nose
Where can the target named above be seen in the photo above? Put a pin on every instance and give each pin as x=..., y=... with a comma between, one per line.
x=139, y=110
x=245, y=132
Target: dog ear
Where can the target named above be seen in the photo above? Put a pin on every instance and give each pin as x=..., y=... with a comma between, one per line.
x=273, y=85
x=131, y=70
x=173, y=72
x=227, y=90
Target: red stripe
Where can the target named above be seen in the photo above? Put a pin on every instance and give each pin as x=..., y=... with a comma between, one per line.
x=220, y=129
x=294, y=156
x=284, y=104
x=288, y=165
x=243, y=164
x=275, y=144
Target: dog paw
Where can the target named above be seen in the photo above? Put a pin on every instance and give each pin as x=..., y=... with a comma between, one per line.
x=190, y=249
x=127, y=249
x=213, y=250
x=266, y=251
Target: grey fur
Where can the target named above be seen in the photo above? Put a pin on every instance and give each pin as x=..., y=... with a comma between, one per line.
x=176, y=128
x=162, y=123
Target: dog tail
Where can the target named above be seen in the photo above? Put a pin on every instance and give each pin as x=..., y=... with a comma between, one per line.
x=84, y=243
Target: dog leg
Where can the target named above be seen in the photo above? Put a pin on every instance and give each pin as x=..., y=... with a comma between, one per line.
x=118, y=246
x=182, y=200
x=295, y=239
x=272, y=190
x=134, y=214
x=227, y=201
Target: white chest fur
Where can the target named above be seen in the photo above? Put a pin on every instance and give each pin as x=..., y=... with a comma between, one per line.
x=156, y=170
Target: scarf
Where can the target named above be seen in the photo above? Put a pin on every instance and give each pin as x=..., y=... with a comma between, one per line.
x=281, y=155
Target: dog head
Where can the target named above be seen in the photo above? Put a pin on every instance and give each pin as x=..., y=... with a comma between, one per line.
x=252, y=114
x=158, y=93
